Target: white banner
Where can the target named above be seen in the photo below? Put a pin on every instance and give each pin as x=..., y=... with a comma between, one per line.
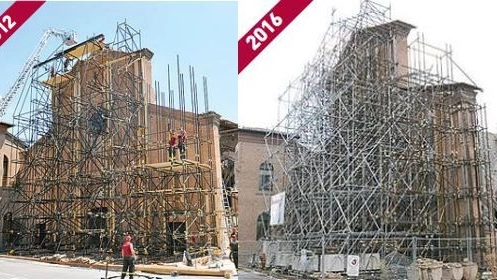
x=277, y=209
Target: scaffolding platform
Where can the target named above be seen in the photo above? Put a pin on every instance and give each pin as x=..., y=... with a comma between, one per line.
x=90, y=46
x=58, y=79
x=78, y=51
x=176, y=166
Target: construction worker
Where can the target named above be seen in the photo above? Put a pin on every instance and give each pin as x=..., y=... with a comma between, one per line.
x=263, y=260
x=182, y=143
x=234, y=250
x=66, y=64
x=129, y=256
x=173, y=145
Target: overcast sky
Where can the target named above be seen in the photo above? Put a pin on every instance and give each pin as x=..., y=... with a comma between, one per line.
x=465, y=25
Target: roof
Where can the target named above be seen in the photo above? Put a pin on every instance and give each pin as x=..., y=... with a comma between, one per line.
x=255, y=130
x=13, y=139
x=8, y=125
x=448, y=87
x=74, y=49
x=227, y=125
x=397, y=25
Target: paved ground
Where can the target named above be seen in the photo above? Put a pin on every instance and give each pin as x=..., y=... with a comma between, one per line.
x=248, y=274
x=25, y=269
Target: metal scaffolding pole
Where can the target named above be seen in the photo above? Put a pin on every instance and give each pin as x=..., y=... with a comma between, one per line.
x=384, y=151
x=97, y=165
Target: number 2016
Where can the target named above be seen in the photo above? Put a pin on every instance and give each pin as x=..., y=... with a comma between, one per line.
x=7, y=24
x=259, y=35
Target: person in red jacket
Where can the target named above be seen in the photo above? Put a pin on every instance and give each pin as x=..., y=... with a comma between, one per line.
x=128, y=254
x=173, y=145
x=182, y=143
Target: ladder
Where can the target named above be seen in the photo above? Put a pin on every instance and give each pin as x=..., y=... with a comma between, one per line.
x=227, y=208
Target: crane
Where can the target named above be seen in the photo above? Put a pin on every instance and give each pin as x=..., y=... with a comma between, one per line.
x=68, y=38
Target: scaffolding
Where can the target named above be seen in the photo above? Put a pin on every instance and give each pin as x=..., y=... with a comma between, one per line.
x=228, y=141
x=383, y=153
x=99, y=164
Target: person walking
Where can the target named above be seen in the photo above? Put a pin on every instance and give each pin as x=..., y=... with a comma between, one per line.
x=129, y=255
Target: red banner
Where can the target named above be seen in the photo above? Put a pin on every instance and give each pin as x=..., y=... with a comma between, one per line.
x=15, y=16
x=268, y=28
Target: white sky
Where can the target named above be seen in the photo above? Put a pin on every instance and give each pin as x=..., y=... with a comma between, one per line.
x=465, y=25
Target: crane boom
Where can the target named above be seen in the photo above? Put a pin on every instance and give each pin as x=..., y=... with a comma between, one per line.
x=68, y=38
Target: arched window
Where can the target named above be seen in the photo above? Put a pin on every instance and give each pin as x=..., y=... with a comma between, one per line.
x=262, y=225
x=266, y=176
x=5, y=174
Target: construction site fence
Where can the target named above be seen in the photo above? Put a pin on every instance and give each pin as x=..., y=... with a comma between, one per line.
x=394, y=254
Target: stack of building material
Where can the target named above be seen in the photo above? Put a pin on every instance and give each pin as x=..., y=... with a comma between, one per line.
x=452, y=271
x=182, y=269
x=470, y=270
x=425, y=269
x=487, y=275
